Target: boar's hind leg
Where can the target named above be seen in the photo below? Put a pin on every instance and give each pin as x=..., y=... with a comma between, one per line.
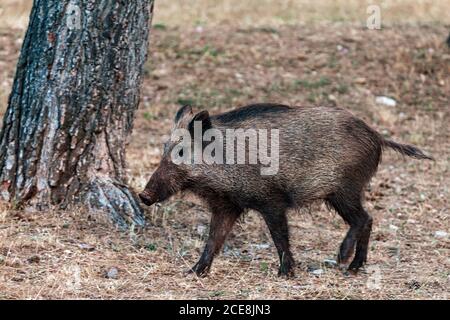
x=351, y=210
x=222, y=221
x=362, y=245
x=276, y=221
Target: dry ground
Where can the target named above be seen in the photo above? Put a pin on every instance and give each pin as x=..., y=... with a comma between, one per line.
x=69, y=255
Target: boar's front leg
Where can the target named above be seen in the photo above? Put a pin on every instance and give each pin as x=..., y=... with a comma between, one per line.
x=222, y=221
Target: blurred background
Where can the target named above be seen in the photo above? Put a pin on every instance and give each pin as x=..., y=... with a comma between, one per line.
x=14, y=13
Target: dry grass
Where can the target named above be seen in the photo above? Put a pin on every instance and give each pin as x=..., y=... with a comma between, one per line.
x=279, y=12
x=67, y=254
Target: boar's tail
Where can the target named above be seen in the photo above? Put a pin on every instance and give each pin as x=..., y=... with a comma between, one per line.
x=406, y=149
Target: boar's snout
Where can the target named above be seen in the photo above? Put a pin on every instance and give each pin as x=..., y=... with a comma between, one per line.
x=165, y=181
x=147, y=198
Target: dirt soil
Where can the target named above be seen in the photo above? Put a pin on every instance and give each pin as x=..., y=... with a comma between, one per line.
x=71, y=255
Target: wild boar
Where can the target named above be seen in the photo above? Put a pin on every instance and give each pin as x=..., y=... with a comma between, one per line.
x=324, y=154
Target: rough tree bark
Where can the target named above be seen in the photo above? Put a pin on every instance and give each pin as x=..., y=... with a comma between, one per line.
x=72, y=106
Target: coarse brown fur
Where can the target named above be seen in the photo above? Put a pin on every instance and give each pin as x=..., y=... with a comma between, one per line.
x=324, y=154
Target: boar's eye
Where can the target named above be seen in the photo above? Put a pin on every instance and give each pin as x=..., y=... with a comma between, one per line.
x=180, y=153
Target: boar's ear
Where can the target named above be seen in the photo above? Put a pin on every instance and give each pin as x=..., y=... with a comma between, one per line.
x=183, y=112
x=204, y=118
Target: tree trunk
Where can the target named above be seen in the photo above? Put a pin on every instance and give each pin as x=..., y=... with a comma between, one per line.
x=72, y=106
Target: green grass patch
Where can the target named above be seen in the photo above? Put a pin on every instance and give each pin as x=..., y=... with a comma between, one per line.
x=307, y=84
x=159, y=26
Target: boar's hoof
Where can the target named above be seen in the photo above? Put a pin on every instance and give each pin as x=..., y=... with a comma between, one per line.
x=356, y=265
x=286, y=273
x=199, y=270
x=146, y=199
x=286, y=267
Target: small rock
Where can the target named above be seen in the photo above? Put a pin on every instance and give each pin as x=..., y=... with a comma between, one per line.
x=86, y=247
x=341, y=49
x=422, y=197
x=239, y=77
x=423, y=77
x=261, y=246
x=360, y=80
x=393, y=228
x=330, y=263
x=317, y=272
x=112, y=273
x=440, y=234
x=386, y=101
x=201, y=229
